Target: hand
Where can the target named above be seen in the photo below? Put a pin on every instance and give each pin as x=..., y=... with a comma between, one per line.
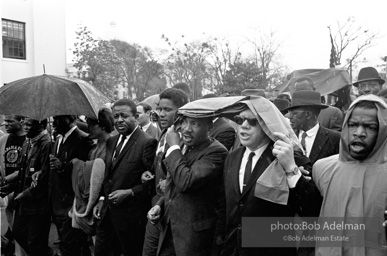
x=97, y=210
x=118, y=196
x=11, y=178
x=55, y=163
x=283, y=151
x=5, y=189
x=172, y=137
x=162, y=184
x=304, y=172
x=146, y=176
x=154, y=214
x=35, y=178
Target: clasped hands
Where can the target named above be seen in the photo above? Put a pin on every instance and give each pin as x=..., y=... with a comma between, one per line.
x=55, y=163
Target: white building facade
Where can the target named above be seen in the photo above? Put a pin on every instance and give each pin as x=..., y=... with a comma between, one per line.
x=33, y=36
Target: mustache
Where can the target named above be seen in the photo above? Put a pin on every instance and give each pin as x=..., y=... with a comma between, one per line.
x=358, y=142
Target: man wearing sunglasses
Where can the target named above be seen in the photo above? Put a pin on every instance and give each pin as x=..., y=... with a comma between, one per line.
x=245, y=166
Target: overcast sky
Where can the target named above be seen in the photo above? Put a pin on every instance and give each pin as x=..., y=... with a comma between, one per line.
x=301, y=25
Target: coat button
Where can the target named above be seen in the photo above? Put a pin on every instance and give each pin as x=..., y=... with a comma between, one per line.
x=170, y=200
x=241, y=204
x=239, y=226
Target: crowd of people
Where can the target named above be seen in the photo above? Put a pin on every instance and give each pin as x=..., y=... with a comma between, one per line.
x=143, y=181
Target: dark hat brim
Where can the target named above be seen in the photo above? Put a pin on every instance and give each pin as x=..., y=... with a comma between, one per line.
x=306, y=106
x=380, y=81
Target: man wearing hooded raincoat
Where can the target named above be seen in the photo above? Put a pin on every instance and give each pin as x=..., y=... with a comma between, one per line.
x=353, y=183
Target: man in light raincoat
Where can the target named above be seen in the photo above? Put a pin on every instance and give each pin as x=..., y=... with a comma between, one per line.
x=353, y=183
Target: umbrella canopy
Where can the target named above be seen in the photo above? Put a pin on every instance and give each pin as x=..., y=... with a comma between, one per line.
x=153, y=101
x=43, y=96
x=325, y=80
x=212, y=107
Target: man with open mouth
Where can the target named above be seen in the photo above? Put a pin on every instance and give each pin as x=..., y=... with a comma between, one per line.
x=353, y=183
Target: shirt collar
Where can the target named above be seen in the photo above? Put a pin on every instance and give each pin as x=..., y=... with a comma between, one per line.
x=313, y=131
x=128, y=136
x=145, y=127
x=69, y=132
x=259, y=151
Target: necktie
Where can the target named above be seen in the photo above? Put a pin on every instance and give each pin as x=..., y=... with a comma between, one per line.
x=161, y=146
x=185, y=150
x=248, y=167
x=60, y=145
x=119, y=147
x=303, y=136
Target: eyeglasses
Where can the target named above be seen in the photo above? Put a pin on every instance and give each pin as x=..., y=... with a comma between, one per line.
x=240, y=120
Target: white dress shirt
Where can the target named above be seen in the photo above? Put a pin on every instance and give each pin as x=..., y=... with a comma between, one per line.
x=62, y=139
x=145, y=127
x=245, y=158
x=126, y=140
x=309, y=139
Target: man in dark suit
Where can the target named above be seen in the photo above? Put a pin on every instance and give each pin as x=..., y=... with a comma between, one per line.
x=71, y=143
x=189, y=207
x=243, y=168
x=318, y=142
x=331, y=118
x=125, y=201
x=143, y=112
x=171, y=99
x=222, y=130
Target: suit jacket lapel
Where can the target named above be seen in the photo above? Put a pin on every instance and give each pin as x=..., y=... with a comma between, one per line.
x=235, y=165
x=263, y=162
x=68, y=142
x=318, y=144
x=128, y=145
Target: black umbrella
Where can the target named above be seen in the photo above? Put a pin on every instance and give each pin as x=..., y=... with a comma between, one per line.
x=43, y=96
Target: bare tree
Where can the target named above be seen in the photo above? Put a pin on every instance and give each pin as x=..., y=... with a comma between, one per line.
x=188, y=63
x=222, y=56
x=265, y=48
x=352, y=38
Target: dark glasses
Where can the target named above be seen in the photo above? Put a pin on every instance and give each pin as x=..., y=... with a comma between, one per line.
x=240, y=120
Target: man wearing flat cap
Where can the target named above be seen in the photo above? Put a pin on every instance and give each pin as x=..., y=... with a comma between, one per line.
x=189, y=208
x=318, y=142
x=368, y=81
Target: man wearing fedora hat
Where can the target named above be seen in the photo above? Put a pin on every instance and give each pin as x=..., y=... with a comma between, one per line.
x=281, y=104
x=318, y=142
x=330, y=117
x=369, y=81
